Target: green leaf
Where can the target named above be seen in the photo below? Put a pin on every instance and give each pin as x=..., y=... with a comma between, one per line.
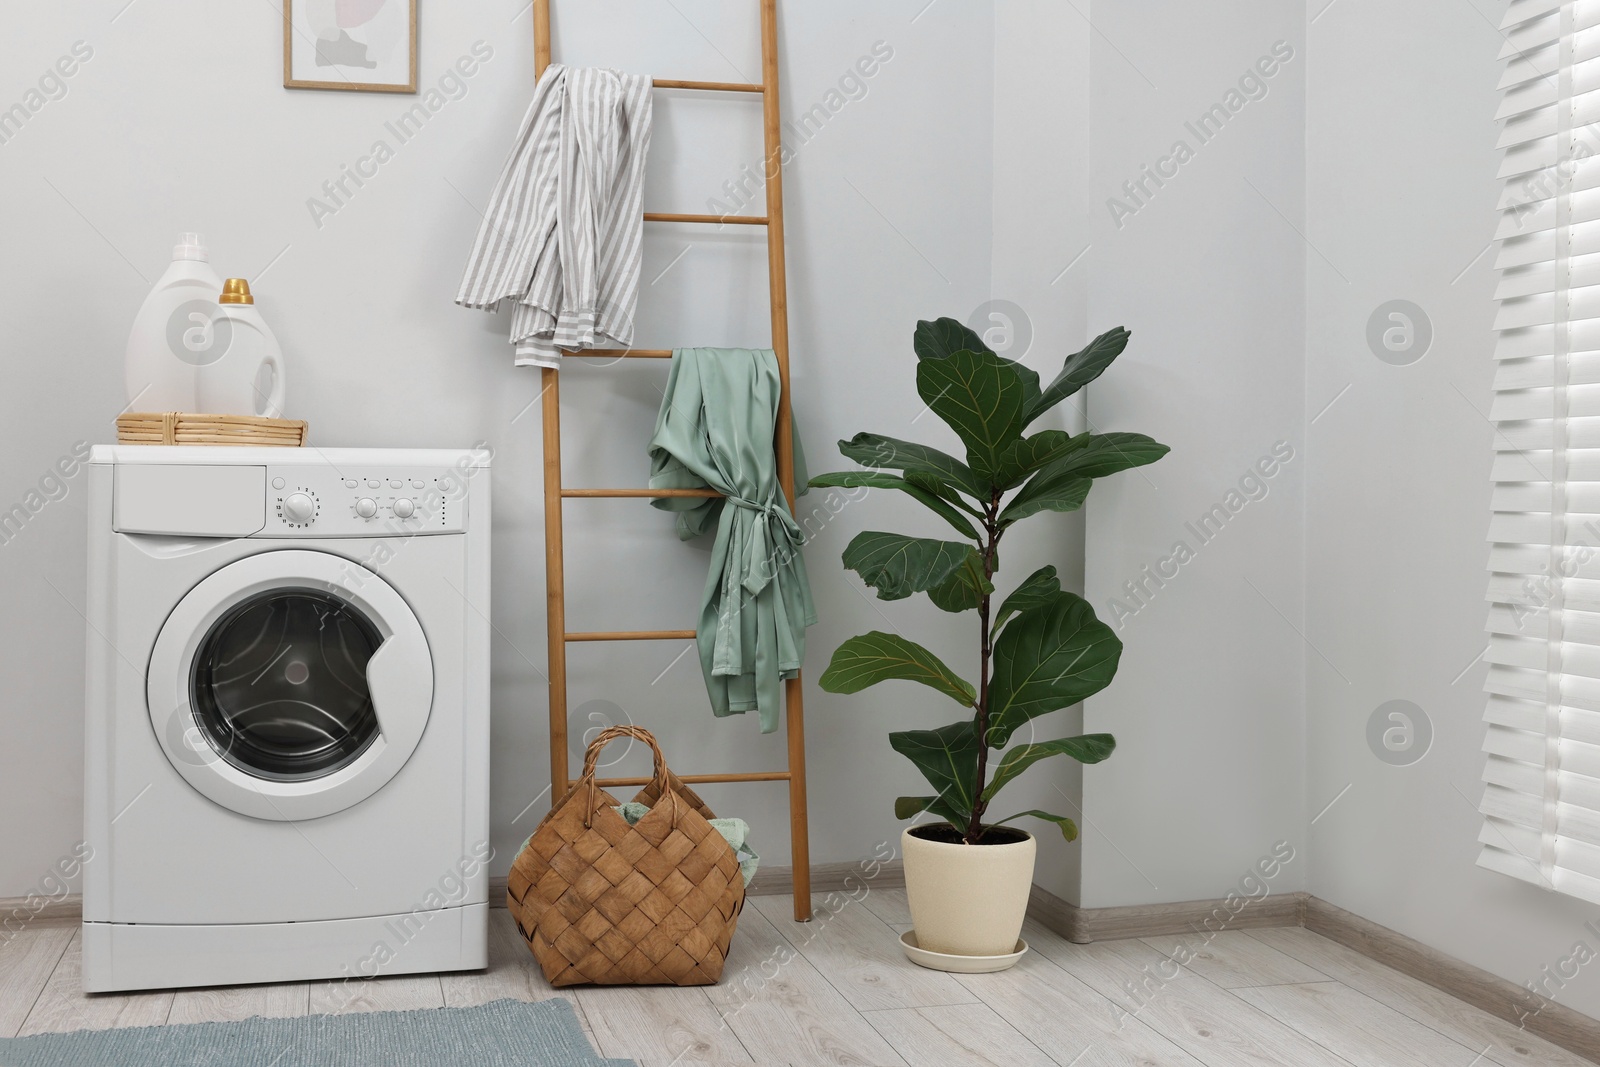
x=1035, y=453
x=948, y=759
x=1108, y=453
x=1079, y=370
x=943, y=490
x=891, y=453
x=941, y=337
x=910, y=807
x=879, y=657
x=982, y=397
x=1050, y=657
x=1038, y=588
x=1063, y=485
x=897, y=566
x=964, y=588
x=1069, y=829
x=879, y=480
x=1046, y=494
x=1087, y=748
x=1030, y=386
x=944, y=337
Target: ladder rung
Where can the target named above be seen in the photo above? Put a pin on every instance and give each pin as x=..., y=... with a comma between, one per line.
x=711, y=494
x=734, y=220
x=622, y=353
x=701, y=779
x=711, y=87
x=633, y=635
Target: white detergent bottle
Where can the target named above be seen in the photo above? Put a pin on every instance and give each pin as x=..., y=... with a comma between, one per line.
x=159, y=366
x=243, y=374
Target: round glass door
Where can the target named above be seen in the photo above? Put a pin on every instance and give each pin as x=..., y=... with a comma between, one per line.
x=290, y=684
x=279, y=685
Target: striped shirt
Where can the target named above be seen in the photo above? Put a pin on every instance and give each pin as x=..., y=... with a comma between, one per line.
x=564, y=231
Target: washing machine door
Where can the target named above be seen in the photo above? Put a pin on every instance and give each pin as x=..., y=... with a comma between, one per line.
x=290, y=685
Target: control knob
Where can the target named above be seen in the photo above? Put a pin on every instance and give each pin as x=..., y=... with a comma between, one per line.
x=404, y=508
x=366, y=507
x=299, y=508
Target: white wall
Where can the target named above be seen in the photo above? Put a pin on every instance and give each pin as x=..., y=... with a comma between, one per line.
x=179, y=122
x=1248, y=280
x=1041, y=219
x=1208, y=706
x=1401, y=199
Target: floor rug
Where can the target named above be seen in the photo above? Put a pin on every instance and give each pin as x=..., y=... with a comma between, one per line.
x=502, y=1034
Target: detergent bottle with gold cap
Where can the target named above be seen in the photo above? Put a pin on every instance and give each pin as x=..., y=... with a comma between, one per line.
x=244, y=374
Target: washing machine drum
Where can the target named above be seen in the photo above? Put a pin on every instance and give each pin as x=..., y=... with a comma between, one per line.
x=290, y=685
x=279, y=686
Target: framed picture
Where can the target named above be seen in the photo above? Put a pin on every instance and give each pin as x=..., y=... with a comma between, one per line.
x=363, y=45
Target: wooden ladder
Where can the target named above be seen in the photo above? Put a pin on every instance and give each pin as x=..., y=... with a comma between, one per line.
x=555, y=493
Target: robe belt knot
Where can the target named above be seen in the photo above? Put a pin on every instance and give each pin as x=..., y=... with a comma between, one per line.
x=779, y=540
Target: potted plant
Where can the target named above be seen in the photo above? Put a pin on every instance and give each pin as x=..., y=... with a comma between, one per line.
x=968, y=875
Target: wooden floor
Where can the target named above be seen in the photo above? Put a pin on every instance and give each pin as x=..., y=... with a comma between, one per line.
x=838, y=991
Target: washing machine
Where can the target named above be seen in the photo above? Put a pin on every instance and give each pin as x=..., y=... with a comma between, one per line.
x=287, y=742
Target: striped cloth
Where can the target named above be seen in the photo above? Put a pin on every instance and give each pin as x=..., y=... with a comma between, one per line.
x=564, y=231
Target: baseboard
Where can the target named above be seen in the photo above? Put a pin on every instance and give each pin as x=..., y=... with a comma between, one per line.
x=828, y=878
x=779, y=881
x=27, y=910
x=1083, y=925
x=1556, y=1023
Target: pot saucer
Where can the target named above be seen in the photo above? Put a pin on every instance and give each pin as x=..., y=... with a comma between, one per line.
x=943, y=961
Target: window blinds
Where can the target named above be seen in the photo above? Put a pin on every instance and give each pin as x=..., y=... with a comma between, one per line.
x=1541, y=800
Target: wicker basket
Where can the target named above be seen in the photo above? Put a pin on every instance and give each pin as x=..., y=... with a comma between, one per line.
x=182, y=428
x=604, y=903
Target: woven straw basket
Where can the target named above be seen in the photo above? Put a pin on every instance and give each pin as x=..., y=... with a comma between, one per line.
x=604, y=903
x=183, y=428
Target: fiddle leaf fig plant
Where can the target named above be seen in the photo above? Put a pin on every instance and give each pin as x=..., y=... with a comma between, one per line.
x=1042, y=649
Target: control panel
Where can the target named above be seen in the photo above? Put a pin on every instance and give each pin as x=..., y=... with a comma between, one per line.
x=325, y=501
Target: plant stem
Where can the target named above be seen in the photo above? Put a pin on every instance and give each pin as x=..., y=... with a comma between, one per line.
x=991, y=529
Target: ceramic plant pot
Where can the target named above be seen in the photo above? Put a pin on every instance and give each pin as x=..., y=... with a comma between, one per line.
x=967, y=900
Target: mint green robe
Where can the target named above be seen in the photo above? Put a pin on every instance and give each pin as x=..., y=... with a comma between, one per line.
x=715, y=430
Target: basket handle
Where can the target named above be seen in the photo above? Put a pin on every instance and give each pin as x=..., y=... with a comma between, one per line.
x=591, y=758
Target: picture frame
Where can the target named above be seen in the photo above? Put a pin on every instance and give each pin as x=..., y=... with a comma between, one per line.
x=367, y=46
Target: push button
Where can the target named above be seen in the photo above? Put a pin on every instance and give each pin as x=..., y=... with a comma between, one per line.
x=277, y=483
